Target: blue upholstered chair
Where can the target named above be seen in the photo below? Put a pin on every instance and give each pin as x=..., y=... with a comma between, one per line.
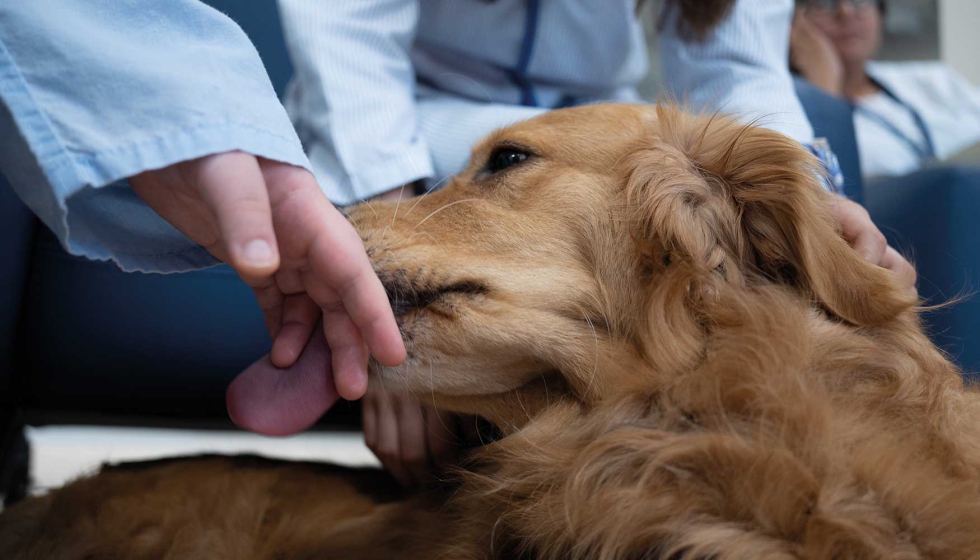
x=930, y=216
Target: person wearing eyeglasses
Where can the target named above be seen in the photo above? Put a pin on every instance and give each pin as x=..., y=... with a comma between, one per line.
x=906, y=114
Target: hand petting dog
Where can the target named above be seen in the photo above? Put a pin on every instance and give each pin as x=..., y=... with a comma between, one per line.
x=272, y=224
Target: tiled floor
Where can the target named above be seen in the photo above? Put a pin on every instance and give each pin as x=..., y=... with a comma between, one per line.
x=61, y=453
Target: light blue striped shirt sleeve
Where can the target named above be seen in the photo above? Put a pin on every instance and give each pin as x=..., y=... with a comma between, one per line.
x=95, y=91
x=353, y=94
x=390, y=91
x=741, y=68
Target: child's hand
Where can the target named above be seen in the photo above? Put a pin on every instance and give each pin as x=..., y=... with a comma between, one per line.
x=411, y=440
x=271, y=222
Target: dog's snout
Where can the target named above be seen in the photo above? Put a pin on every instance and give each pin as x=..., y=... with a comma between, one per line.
x=396, y=287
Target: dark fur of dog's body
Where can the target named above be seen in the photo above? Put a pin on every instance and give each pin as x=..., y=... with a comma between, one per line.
x=683, y=357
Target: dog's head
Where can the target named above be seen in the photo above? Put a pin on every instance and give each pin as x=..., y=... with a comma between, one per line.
x=590, y=243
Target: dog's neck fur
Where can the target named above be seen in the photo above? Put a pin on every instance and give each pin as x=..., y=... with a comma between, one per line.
x=606, y=478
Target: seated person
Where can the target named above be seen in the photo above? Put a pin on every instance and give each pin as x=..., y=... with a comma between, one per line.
x=397, y=94
x=907, y=114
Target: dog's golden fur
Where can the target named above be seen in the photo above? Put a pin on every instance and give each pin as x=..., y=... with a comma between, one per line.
x=683, y=356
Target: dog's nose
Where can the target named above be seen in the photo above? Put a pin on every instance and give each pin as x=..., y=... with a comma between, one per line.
x=397, y=290
x=401, y=301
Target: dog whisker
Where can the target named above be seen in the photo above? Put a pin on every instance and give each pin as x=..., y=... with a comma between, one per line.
x=426, y=193
x=384, y=234
x=425, y=233
x=367, y=202
x=349, y=218
x=394, y=258
x=394, y=216
x=434, y=212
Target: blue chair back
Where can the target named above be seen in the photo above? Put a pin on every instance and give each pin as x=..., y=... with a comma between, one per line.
x=833, y=118
x=260, y=21
x=931, y=215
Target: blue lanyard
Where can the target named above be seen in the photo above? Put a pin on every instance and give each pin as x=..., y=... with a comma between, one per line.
x=519, y=75
x=924, y=153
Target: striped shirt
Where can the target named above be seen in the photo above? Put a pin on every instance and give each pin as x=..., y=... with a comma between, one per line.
x=388, y=92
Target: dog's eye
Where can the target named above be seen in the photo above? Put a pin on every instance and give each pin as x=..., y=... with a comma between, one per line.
x=502, y=158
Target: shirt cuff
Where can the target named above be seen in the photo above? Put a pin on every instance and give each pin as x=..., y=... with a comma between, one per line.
x=114, y=224
x=85, y=200
x=833, y=177
x=411, y=163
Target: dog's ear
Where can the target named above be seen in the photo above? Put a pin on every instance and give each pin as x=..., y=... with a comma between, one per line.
x=745, y=202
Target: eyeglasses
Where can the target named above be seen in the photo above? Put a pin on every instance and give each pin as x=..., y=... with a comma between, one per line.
x=829, y=5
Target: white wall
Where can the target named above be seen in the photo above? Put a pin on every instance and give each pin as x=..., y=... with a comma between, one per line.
x=959, y=36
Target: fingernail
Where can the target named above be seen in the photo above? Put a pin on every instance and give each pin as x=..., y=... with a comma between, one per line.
x=258, y=252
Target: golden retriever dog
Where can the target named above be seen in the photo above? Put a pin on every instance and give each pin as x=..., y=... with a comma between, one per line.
x=683, y=357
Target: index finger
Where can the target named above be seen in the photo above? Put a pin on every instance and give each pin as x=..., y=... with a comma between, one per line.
x=901, y=267
x=858, y=229
x=312, y=232
x=337, y=257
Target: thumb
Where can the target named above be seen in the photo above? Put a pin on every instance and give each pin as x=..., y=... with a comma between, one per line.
x=234, y=189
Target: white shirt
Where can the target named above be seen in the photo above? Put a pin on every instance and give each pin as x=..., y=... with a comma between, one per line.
x=390, y=91
x=947, y=103
x=890, y=140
